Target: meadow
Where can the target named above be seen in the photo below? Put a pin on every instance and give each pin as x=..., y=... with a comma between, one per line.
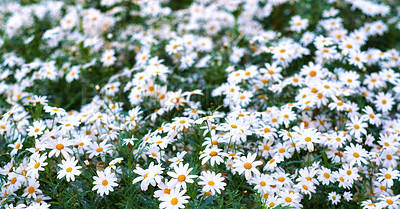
x=202, y=104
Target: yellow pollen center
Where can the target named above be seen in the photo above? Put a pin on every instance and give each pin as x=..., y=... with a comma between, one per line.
x=60, y=146
x=213, y=153
x=248, y=166
x=181, y=178
x=167, y=191
x=389, y=157
x=37, y=165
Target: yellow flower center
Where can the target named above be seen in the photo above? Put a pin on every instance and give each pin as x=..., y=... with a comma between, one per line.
x=213, y=153
x=356, y=155
x=104, y=182
x=389, y=157
x=181, y=178
x=174, y=201
x=60, y=146
x=247, y=165
x=167, y=191
x=37, y=165
x=13, y=180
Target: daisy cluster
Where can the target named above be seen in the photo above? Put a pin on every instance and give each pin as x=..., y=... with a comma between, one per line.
x=202, y=104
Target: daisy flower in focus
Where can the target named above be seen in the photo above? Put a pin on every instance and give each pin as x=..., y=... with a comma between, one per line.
x=247, y=165
x=174, y=200
x=69, y=169
x=16, y=146
x=386, y=176
x=213, y=154
x=104, y=182
x=357, y=126
x=60, y=145
x=35, y=165
x=389, y=201
x=356, y=154
x=181, y=176
x=32, y=189
x=334, y=197
x=212, y=182
x=36, y=129
x=384, y=102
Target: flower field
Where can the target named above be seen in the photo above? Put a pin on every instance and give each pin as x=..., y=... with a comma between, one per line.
x=200, y=104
